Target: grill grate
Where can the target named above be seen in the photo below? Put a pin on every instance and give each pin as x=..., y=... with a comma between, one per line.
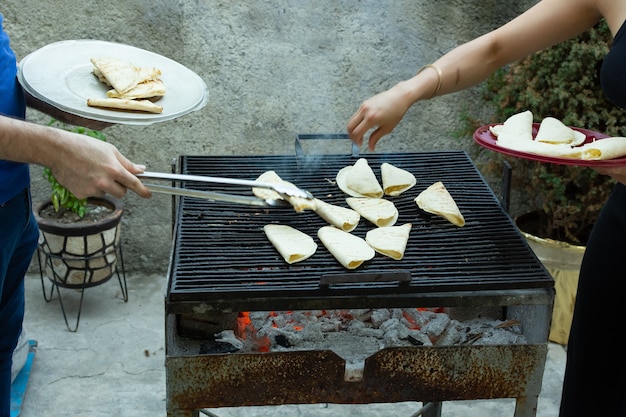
x=220, y=251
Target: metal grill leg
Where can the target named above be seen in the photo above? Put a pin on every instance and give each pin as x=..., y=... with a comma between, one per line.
x=526, y=406
x=432, y=409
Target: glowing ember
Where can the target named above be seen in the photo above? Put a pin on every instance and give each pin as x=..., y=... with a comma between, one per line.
x=358, y=333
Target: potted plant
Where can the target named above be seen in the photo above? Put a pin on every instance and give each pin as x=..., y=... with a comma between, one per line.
x=79, y=239
x=561, y=202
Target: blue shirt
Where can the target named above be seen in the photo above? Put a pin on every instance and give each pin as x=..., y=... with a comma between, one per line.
x=14, y=177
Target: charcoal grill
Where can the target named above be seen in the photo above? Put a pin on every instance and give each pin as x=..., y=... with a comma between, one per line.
x=222, y=264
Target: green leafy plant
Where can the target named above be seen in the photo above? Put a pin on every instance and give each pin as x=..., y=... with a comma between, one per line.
x=60, y=196
x=562, y=82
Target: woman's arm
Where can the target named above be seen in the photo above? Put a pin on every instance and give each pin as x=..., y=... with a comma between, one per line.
x=547, y=23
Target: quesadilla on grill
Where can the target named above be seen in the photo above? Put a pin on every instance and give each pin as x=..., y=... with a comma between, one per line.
x=341, y=217
x=389, y=241
x=299, y=204
x=293, y=245
x=396, y=180
x=437, y=200
x=359, y=180
x=125, y=104
x=349, y=250
x=379, y=211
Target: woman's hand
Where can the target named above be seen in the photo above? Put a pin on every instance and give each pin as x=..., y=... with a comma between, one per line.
x=618, y=173
x=382, y=113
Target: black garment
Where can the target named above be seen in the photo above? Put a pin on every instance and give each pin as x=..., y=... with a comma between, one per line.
x=595, y=374
x=613, y=74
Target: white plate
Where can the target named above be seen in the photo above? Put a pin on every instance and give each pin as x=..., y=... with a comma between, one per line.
x=60, y=74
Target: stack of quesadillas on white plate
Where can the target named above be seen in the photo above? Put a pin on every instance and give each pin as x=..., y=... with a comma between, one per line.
x=132, y=87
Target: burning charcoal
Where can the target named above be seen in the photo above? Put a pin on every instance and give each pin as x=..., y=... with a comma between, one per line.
x=395, y=325
x=397, y=313
x=391, y=339
x=419, y=338
x=214, y=347
x=259, y=316
x=301, y=317
x=228, y=336
x=501, y=337
x=362, y=314
x=435, y=327
x=451, y=336
x=279, y=321
x=360, y=329
x=282, y=340
x=331, y=326
x=379, y=316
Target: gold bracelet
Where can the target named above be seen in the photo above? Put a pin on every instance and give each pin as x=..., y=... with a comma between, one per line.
x=439, y=75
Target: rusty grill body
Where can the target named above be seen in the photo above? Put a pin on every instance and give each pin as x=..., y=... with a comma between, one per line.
x=222, y=263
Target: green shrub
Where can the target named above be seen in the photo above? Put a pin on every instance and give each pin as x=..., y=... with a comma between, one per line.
x=562, y=82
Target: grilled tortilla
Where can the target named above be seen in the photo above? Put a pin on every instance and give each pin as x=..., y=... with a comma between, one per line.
x=341, y=217
x=293, y=245
x=349, y=250
x=602, y=149
x=120, y=75
x=516, y=128
x=125, y=104
x=359, y=180
x=389, y=241
x=396, y=180
x=146, y=89
x=379, y=211
x=437, y=200
x=553, y=131
x=299, y=204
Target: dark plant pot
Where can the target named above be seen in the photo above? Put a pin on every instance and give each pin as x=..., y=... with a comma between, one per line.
x=80, y=255
x=562, y=260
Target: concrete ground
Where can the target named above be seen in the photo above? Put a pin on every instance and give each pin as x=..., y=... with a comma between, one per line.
x=114, y=364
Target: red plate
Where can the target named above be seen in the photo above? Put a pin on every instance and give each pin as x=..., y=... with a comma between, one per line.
x=486, y=139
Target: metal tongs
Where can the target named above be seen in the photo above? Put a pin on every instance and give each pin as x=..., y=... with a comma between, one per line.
x=284, y=190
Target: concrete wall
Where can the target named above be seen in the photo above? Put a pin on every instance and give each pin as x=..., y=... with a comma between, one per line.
x=273, y=68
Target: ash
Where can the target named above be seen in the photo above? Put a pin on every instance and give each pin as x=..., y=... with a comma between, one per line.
x=356, y=334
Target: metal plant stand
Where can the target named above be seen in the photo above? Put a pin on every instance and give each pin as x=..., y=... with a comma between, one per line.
x=119, y=271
